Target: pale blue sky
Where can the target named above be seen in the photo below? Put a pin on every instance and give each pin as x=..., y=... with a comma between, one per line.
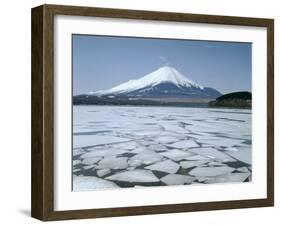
x=101, y=62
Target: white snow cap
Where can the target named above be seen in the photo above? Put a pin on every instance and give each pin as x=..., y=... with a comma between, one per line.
x=162, y=75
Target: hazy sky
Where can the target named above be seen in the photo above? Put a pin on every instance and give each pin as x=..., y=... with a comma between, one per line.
x=101, y=62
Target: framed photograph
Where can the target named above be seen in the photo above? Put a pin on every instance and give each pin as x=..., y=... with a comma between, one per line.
x=142, y=112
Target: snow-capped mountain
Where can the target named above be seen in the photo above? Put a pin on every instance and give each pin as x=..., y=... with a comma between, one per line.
x=164, y=82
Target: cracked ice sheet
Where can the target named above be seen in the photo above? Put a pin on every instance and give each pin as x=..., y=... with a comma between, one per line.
x=102, y=152
x=198, y=158
x=113, y=163
x=137, y=175
x=243, y=156
x=176, y=155
x=103, y=172
x=94, y=140
x=229, y=128
x=212, y=153
x=220, y=141
x=190, y=164
x=234, y=177
x=211, y=171
x=82, y=183
x=147, y=157
x=207, y=127
x=166, y=139
x=91, y=160
x=166, y=166
x=157, y=147
x=123, y=122
x=177, y=179
x=144, y=133
x=173, y=127
x=184, y=144
x=126, y=145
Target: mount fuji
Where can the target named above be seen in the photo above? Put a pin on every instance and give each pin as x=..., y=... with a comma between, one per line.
x=165, y=84
x=165, y=81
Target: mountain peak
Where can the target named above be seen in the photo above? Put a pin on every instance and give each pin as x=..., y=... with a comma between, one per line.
x=169, y=74
x=165, y=74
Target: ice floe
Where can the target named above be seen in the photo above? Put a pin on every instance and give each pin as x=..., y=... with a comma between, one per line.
x=126, y=145
x=94, y=140
x=212, y=153
x=147, y=157
x=197, y=157
x=166, y=166
x=224, y=142
x=166, y=139
x=243, y=169
x=103, y=172
x=231, y=149
x=135, y=162
x=91, y=160
x=234, y=177
x=137, y=175
x=243, y=155
x=190, y=164
x=157, y=147
x=113, y=163
x=176, y=154
x=184, y=144
x=211, y=171
x=102, y=152
x=177, y=179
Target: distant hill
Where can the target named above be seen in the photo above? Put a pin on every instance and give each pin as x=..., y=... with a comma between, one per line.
x=233, y=100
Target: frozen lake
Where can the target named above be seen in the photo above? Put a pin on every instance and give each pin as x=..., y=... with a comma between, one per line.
x=131, y=146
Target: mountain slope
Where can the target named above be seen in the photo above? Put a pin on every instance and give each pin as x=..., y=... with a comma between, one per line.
x=162, y=83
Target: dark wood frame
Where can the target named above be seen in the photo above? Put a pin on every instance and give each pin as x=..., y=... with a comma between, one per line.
x=42, y=203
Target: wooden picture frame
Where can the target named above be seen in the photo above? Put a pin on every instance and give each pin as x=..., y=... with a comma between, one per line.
x=42, y=203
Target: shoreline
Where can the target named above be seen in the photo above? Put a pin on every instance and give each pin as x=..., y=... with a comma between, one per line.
x=177, y=106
